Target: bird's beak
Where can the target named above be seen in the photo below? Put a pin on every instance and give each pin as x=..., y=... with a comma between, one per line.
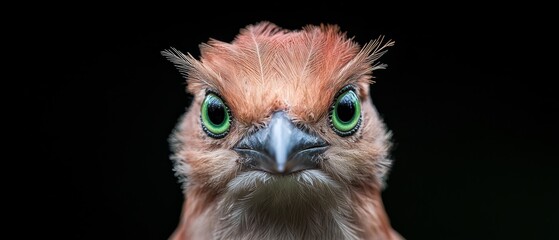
x=281, y=147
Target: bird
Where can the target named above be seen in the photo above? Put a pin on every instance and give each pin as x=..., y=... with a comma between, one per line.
x=281, y=139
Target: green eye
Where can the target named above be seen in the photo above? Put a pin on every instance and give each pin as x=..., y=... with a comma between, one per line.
x=345, y=115
x=216, y=118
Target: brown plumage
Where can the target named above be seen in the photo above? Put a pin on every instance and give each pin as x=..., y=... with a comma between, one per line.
x=282, y=140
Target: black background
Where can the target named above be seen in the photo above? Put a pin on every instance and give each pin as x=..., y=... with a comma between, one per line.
x=465, y=94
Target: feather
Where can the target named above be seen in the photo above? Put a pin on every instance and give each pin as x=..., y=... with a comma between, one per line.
x=268, y=63
x=365, y=62
x=263, y=70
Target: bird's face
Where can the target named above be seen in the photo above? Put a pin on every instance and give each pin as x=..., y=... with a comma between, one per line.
x=279, y=106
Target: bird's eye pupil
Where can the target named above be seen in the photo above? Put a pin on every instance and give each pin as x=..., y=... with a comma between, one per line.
x=345, y=116
x=216, y=111
x=346, y=109
x=215, y=116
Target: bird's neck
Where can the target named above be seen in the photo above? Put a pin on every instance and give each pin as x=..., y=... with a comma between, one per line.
x=285, y=210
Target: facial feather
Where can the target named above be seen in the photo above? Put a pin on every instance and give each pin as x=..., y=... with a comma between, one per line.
x=267, y=69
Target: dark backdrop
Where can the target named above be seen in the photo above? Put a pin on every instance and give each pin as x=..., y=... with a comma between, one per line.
x=465, y=94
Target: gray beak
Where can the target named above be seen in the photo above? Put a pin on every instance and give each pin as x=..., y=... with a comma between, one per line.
x=281, y=147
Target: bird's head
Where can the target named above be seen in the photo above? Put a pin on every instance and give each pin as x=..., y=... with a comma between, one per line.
x=277, y=105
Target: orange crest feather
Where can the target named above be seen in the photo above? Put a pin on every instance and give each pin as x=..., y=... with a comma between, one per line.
x=266, y=68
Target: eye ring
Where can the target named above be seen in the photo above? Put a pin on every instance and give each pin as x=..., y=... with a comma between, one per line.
x=215, y=116
x=345, y=112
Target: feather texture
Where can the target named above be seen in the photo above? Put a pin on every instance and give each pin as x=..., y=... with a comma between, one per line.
x=267, y=69
x=267, y=63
